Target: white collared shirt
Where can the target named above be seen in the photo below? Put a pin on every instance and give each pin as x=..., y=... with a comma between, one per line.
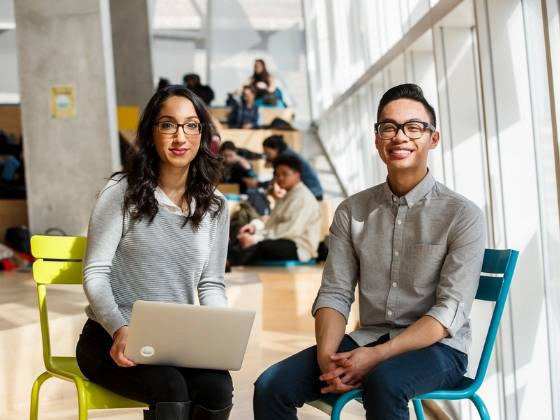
x=164, y=201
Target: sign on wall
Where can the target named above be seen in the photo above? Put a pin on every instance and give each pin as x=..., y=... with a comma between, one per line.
x=63, y=101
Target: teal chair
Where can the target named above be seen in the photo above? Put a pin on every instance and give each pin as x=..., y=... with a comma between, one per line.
x=495, y=281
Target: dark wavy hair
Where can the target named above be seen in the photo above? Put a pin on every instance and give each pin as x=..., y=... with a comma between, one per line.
x=143, y=162
x=264, y=76
x=276, y=142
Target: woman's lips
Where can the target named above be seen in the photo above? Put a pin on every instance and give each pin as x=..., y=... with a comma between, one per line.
x=179, y=151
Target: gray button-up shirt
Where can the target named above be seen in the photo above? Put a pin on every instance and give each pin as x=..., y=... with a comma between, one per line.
x=416, y=255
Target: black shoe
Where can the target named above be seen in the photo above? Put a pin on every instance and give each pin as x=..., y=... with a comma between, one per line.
x=172, y=411
x=149, y=414
x=201, y=413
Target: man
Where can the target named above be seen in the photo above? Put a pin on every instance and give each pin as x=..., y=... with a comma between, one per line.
x=204, y=92
x=275, y=146
x=237, y=169
x=292, y=232
x=415, y=248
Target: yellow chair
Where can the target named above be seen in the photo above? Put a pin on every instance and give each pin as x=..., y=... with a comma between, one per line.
x=59, y=261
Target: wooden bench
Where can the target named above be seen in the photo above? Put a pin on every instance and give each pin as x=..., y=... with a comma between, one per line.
x=252, y=139
x=327, y=214
x=266, y=114
x=288, y=294
x=12, y=213
x=10, y=119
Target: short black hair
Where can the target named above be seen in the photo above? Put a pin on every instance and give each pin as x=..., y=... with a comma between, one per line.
x=191, y=76
x=275, y=142
x=228, y=145
x=288, y=160
x=407, y=91
x=163, y=82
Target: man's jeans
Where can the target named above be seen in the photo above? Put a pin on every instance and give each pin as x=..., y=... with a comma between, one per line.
x=387, y=388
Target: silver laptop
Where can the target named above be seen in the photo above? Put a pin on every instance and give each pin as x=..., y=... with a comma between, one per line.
x=192, y=336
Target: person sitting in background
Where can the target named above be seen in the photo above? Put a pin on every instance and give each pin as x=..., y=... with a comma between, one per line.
x=162, y=83
x=204, y=92
x=246, y=114
x=293, y=230
x=274, y=146
x=237, y=169
x=263, y=83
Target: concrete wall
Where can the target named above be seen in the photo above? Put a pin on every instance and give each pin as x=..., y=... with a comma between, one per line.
x=64, y=42
x=132, y=46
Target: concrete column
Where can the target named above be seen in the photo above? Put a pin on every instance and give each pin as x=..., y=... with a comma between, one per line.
x=66, y=43
x=132, y=51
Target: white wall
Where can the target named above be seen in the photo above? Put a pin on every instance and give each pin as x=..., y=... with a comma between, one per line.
x=9, y=85
x=173, y=58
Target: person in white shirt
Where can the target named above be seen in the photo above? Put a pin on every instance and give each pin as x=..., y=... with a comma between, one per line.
x=293, y=230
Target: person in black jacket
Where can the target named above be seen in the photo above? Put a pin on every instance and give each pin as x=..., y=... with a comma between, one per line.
x=204, y=92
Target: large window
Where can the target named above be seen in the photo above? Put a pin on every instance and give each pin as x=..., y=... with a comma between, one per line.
x=492, y=71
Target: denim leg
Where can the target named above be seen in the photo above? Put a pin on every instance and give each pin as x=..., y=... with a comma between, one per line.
x=290, y=383
x=390, y=385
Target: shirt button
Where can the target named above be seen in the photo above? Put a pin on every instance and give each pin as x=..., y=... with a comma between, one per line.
x=397, y=253
x=398, y=222
x=394, y=284
x=389, y=312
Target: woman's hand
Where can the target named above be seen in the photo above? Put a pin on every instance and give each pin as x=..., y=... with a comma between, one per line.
x=117, y=349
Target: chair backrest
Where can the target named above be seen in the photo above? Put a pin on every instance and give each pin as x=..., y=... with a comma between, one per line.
x=495, y=280
x=58, y=261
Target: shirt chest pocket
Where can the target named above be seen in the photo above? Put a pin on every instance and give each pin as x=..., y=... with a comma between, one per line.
x=422, y=264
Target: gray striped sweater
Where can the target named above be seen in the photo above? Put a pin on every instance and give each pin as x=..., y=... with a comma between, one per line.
x=160, y=261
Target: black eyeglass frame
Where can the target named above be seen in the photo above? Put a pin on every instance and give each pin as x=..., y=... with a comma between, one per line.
x=200, y=125
x=401, y=127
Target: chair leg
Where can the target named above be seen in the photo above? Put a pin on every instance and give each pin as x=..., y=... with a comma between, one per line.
x=341, y=402
x=418, y=409
x=480, y=406
x=82, y=399
x=34, y=410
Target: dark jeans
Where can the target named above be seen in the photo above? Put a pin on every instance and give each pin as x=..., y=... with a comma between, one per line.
x=269, y=249
x=211, y=389
x=387, y=388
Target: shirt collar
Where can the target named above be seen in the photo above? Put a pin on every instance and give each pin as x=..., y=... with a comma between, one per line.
x=293, y=190
x=166, y=202
x=414, y=195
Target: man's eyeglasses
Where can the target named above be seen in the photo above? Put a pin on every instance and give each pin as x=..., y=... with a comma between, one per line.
x=190, y=128
x=412, y=129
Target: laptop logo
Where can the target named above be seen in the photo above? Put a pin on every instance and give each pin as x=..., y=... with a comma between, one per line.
x=147, y=351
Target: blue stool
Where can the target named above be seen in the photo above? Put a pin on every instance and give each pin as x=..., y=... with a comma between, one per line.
x=495, y=281
x=233, y=197
x=285, y=263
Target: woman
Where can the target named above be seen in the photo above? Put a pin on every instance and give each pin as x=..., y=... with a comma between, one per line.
x=263, y=83
x=245, y=115
x=148, y=239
